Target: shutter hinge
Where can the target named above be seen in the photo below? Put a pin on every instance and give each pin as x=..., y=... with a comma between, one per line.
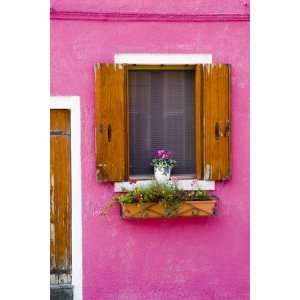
x=60, y=132
x=100, y=172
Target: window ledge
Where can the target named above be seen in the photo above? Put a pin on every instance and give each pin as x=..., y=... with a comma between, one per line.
x=184, y=184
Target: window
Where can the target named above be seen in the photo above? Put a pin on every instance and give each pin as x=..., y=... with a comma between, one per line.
x=185, y=109
x=161, y=116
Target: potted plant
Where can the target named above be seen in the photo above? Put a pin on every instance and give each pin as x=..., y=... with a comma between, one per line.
x=163, y=164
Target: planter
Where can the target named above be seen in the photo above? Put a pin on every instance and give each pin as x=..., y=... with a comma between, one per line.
x=196, y=208
x=162, y=174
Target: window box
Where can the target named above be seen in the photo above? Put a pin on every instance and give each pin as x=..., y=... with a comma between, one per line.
x=196, y=208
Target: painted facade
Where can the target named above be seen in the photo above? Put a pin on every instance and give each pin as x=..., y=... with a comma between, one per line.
x=191, y=259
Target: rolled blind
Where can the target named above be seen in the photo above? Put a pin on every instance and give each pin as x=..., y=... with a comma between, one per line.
x=161, y=116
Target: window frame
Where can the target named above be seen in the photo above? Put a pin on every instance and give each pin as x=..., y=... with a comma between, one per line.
x=213, y=85
x=198, y=112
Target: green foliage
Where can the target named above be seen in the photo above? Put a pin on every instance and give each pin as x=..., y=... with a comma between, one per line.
x=156, y=192
x=200, y=193
x=163, y=163
x=160, y=192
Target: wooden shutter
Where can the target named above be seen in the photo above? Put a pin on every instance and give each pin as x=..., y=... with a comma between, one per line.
x=212, y=92
x=111, y=122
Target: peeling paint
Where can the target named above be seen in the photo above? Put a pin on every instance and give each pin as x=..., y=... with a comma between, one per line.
x=207, y=172
x=52, y=187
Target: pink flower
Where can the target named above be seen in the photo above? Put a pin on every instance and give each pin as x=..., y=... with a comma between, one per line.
x=132, y=181
x=162, y=154
x=173, y=178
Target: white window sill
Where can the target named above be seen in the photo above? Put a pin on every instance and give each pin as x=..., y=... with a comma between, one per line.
x=184, y=184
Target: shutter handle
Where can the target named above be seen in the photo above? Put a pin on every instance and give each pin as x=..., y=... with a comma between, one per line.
x=109, y=132
x=218, y=132
x=101, y=128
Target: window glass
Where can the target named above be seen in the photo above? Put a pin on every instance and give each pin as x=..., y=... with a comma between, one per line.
x=161, y=116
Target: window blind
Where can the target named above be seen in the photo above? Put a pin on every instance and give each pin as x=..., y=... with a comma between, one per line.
x=161, y=116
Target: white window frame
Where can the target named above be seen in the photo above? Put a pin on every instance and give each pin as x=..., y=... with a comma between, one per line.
x=162, y=58
x=72, y=103
x=166, y=59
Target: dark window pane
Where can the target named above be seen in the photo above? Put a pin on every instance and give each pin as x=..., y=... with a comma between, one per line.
x=161, y=116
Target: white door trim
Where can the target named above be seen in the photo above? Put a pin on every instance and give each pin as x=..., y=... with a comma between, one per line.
x=73, y=104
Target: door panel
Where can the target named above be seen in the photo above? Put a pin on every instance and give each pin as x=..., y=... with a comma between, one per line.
x=60, y=197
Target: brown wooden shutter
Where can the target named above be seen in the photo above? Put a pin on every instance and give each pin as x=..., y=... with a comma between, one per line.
x=212, y=92
x=111, y=122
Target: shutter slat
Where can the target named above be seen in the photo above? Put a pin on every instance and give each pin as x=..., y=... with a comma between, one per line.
x=216, y=122
x=111, y=122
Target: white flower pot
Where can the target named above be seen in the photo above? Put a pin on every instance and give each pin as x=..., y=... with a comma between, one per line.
x=162, y=174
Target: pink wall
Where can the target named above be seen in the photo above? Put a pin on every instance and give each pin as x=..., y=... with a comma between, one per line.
x=160, y=259
x=155, y=6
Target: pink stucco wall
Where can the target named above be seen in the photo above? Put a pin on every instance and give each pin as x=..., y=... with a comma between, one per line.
x=191, y=259
x=155, y=6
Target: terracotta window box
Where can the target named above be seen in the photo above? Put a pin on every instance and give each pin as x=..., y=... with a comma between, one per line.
x=196, y=208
